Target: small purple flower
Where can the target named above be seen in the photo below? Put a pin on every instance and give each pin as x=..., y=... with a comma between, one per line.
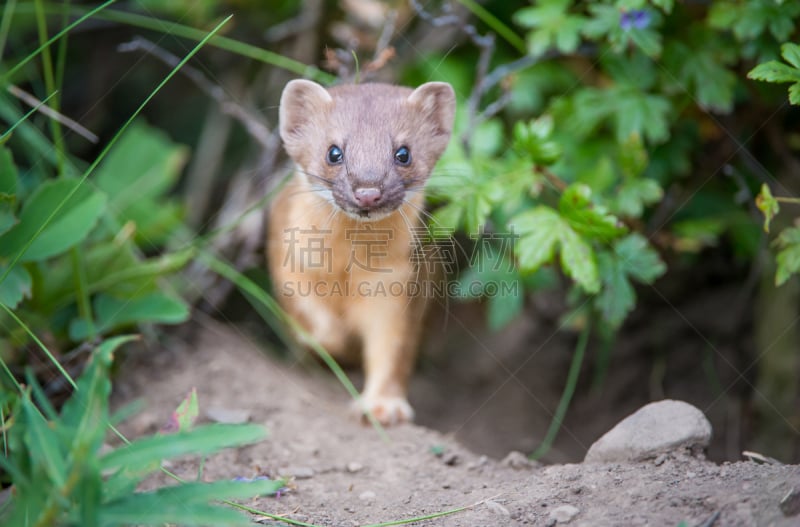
x=635, y=18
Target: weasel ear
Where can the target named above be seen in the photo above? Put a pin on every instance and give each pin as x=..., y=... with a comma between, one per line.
x=437, y=103
x=301, y=102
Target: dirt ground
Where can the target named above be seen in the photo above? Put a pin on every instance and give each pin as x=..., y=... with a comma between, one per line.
x=344, y=474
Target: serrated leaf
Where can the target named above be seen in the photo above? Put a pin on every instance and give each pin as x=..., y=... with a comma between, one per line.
x=73, y=222
x=552, y=26
x=539, y=231
x=202, y=440
x=618, y=297
x=639, y=259
x=578, y=261
x=768, y=205
x=774, y=71
x=791, y=54
x=16, y=286
x=788, y=258
x=113, y=313
x=587, y=218
x=634, y=195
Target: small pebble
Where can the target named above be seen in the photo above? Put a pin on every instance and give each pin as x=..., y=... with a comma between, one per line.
x=660, y=460
x=790, y=504
x=227, y=415
x=367, y=495
x=297, y=472
x=354, y=467
x=563, y=513
x=497, y=508
x=517, y=461
x=481, y=461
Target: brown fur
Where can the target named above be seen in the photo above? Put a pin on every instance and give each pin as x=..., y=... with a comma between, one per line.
x=368, y=122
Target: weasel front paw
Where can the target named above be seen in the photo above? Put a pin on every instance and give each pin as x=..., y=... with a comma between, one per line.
x=387, y=410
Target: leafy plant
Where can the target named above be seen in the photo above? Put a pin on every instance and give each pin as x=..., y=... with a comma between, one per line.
x=62, y=476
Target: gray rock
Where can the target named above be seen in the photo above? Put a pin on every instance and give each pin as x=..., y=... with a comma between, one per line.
x=654, y=429
x=563, y=514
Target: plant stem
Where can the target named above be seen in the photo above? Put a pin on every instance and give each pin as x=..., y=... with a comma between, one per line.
x=566, y=395
x=493, y=22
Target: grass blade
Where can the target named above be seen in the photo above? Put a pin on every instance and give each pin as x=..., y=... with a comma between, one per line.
x=55, y=37
x=201, y=440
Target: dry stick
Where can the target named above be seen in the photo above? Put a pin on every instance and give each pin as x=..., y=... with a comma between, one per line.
x=485, y=45
x=33, y=102
x=255, y=126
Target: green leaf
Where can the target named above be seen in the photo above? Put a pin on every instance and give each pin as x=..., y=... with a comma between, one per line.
x=632, y=258
x=144, y=159
x=8, y=190
x=788, y=258
x=68, y=227
x=791, y=54
x=774, y=71
x=113, y=313
x=768, y=205
x=617, y=297
x=8, y=174
x=702, y=67
x=187, y=412
x=540, y=230
x=141, y=509
x=634, y=195
x=186, y=504
x=639, y=259
x=578, y=261
x=16, y=286
x=534, y=139
x=552, y=26
x=202, y=440
x=503, y=309
x=643, y=114
x=42, y=444
x=587, y=218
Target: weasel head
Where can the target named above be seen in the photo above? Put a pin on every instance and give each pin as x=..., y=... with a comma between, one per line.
x=365, y=147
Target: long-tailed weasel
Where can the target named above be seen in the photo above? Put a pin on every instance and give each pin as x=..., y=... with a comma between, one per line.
x=341, y=243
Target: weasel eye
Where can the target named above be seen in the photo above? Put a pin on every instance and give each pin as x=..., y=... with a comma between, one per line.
x=402, y=156
x=335, y=155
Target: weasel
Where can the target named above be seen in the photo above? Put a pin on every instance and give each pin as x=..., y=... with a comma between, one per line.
x=341, y=240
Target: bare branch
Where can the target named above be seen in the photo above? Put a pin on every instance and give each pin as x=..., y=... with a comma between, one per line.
x=33, y=102
x=248, y=118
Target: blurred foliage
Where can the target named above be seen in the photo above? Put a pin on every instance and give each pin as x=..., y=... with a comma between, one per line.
x=63, y=476
x=627, y=98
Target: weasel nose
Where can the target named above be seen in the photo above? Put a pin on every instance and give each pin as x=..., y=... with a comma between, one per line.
x=367, y=197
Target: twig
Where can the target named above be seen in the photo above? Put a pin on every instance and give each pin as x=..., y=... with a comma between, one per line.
x=33, y=102
x=255, y=127
x=485, y=45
